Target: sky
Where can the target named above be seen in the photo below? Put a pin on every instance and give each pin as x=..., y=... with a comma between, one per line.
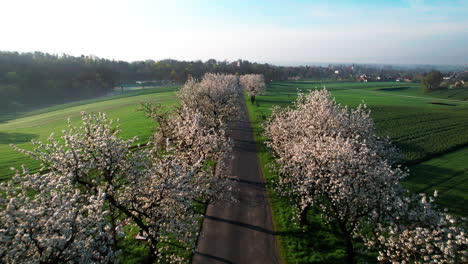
x=275, y=31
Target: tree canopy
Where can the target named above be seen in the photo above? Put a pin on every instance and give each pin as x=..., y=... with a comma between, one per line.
x=330, y=158
x=432, y=81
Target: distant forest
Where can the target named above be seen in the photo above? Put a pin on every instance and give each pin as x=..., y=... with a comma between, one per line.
x=29, y=80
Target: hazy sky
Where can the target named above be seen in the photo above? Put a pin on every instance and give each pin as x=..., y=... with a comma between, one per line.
x=281, y=32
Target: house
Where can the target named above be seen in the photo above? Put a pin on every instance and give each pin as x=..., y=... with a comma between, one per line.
x=363, y=78
x=459, y=84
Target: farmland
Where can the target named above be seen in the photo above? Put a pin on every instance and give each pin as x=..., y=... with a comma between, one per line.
x=420, y=129
x=426, y=133
x=39, y=124
x=433, y=139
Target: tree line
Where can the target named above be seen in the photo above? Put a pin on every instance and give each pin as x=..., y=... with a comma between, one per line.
x=36, y=79
x=30, y=79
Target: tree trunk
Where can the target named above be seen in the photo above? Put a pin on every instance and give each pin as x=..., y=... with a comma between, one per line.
x=350, y=258
x=114, y=226
x=252, y=99
x=349, y=249
x=303, y=216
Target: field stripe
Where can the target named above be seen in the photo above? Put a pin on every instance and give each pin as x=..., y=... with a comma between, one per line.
x=411, y=96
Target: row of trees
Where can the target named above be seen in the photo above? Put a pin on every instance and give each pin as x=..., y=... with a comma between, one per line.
x=330, y=158
x=93, y=183
x=35, y=79
x=31, y=79
x=353, y=72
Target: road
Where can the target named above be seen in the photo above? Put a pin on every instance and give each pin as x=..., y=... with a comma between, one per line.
x=240, y=232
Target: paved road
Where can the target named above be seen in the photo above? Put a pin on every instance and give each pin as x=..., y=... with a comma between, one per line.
x=240, y=232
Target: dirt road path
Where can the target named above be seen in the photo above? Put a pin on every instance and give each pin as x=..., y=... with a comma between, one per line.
x=240, y=232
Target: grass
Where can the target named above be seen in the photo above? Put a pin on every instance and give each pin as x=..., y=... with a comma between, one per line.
x=448, y=174
x=422, y=133
x=150, y=90
x=433, y=139
x=460, y=94
x=421, y=129
x=40, y=124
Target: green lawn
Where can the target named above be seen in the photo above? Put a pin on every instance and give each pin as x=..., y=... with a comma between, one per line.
x=40, y=124
x=433, y=139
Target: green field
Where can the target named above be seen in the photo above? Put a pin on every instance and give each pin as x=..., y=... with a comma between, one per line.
x=433, y=139
x=20, y=129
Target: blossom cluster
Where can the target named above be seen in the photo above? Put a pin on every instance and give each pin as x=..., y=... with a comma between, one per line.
x=216, y=97
x=197, y=131
x=59, y=224
x=414, y=231
x=93, y=183
x=329, y=156
x=254, y=84
x=326, y=151
x=59, y=215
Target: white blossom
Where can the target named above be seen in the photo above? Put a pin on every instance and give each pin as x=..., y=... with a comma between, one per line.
x=330, y=156
x=254, y=84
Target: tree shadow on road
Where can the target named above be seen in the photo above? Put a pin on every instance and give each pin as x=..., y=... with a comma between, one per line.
x=222, y=260
x=241, y=224
x=244, y=145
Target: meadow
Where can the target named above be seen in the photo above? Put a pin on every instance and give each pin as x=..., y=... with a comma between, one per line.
x=433, y=139
x=21, y=128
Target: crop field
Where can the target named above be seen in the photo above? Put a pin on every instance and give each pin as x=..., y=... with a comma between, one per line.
x=461, y=94
x=448, y=174
x=38, y=125
x=433, y=139
x=420, y=128
x=422, y=135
